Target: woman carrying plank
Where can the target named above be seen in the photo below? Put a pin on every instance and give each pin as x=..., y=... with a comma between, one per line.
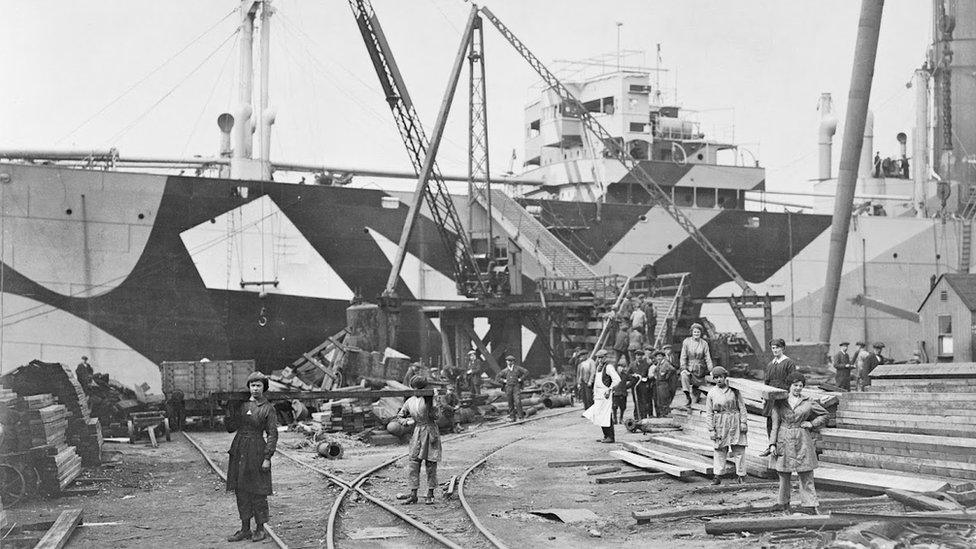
x=792, y=446
x=425, y=445
x=725, y=419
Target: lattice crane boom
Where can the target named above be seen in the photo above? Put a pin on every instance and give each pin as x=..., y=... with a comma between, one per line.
x=573, y=107
x=422, y=152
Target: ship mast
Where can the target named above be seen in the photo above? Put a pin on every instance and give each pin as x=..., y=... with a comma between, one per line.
x=243, y=125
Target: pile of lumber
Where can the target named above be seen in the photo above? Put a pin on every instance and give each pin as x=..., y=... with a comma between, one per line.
x=86, y=437
x=345, y=416
x=46, y=421
x=57, y=466
x=908, y=422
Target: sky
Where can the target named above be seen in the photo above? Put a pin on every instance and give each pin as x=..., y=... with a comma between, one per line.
x=150, y=78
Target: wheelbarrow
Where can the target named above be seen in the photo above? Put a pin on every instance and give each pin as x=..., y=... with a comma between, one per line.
x=148, y=422
x=18, y=478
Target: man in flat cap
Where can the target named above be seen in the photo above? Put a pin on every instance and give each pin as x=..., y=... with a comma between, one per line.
x=842, y=364
x=513, y=377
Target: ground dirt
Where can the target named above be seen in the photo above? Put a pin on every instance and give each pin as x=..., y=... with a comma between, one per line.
x=169, y=497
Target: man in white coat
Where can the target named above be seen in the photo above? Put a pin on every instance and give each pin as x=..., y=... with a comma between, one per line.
x=601, y=412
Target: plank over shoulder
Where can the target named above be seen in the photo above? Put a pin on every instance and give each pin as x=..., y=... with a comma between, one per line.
x=756, y=390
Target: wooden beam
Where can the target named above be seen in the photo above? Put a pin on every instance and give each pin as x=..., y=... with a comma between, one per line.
x=925, y=517
x=602, y=470
x=874, y=480
x=489, y=358
x=629, y=477
x=921, y=501
x=756, y=389
x=770, y=524
x=653, y=465
x=59, y=534
x=325, y=395
x=697, y=464
x=726, y=509
x=583, y=462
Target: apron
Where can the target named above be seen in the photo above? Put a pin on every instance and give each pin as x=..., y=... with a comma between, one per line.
x=601, y=412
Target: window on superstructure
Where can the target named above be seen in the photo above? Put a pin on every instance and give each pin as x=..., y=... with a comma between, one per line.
x=638, y=127
x=534, y=128
x=945, y=336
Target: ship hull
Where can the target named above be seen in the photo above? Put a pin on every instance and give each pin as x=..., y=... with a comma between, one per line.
x=134, y=269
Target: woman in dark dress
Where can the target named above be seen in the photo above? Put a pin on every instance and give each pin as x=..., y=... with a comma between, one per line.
x=249, y=469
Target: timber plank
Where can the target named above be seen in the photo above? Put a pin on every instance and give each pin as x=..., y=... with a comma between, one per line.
x=939, y=409
x=583, y=462
x=897, y=463
x=725, y=509
x=654, y=445
x=927, y=371
x=908, y=397
x=57, y=536
x=921, y=501
x=629, y=477
x=697, y=464
x=894, y=417
x=927, y=441
x=905, y=427
x=881, y=449
x=769, y=524
x=873, y=479
x=920, y=388
x=756, y=389
x=653, y=465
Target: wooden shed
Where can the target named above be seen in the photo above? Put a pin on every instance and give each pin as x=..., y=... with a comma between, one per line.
x=946, y=319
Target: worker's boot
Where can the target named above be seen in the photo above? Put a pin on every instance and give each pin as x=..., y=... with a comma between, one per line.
x=412, y=499
x=259, y=534
x=429, y=500
x=688, y=398
x=241, y=535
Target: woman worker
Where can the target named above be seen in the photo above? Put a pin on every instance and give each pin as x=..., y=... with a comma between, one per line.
x=249, y=469
x=792, y=446
x=725, y=419
x=695, y=362
x=606, y=379
x=425, y=445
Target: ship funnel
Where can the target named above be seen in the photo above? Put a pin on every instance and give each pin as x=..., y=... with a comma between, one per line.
x=226, y=123
x=825, y=134
x=902, y=138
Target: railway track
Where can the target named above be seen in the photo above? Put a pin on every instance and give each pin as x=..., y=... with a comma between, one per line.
x=480, y=537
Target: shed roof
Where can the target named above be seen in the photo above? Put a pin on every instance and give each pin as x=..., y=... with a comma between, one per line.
x=963, y=284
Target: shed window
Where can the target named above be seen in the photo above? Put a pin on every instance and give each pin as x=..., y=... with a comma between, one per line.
x=944, y=295
x=945, y=336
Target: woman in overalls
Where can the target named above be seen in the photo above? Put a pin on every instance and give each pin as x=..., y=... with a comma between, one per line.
x=696, y=362
x=249, y=468
x=425, y=445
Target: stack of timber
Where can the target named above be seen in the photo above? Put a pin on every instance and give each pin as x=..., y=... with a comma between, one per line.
x=42, y=384
x=695, y=438
x=345, y=416
x=9, y=416
x=915, y=418
x=42, y=426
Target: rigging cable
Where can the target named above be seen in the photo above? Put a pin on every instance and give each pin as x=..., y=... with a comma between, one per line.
x=213, y=90
x=146, y=77
x=152, y=107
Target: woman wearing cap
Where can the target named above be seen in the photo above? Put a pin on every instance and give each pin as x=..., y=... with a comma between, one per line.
x=425, y=445
x=249, y=468
x=696, y=362
x=601, y=412
x=725, y=419
x=792, y=446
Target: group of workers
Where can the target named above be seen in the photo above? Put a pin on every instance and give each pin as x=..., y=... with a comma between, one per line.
x=790, y=422
x=862, y=363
